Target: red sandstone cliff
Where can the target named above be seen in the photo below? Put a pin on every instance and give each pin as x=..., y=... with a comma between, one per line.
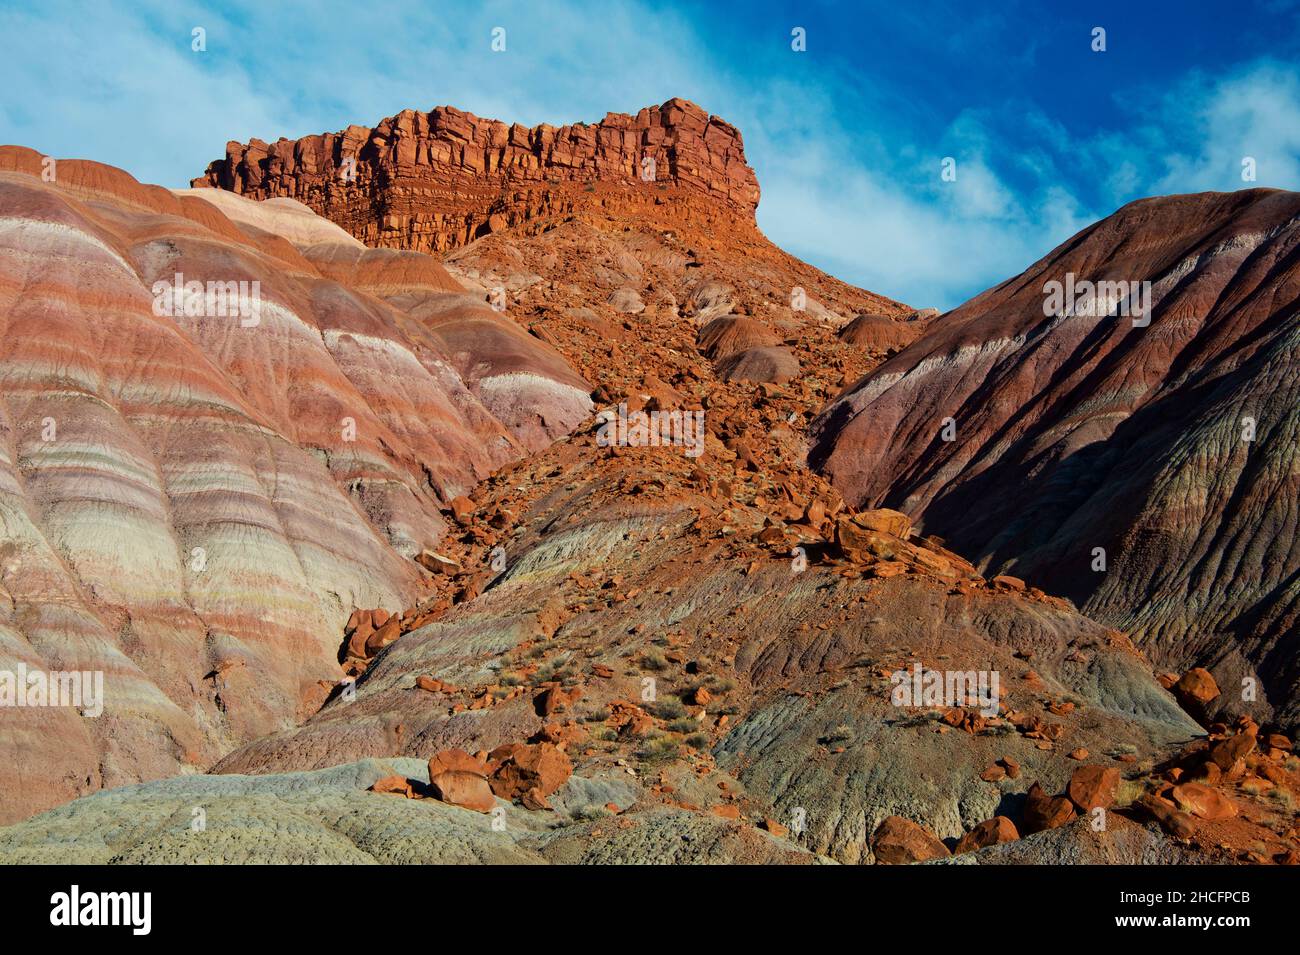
x=480, y=175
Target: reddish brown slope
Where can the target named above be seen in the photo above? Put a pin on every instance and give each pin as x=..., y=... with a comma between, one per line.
x=1077, y=433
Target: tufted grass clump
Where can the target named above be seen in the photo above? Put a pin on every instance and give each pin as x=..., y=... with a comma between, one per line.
x=659, y=748
x=668, y=709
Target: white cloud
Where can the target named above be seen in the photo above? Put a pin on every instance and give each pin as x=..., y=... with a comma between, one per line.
x=125, y=90
x=1254, y=113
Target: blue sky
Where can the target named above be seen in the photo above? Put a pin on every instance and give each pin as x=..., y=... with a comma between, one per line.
x=847, y=137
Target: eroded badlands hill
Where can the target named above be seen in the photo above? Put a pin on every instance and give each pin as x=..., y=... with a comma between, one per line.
x=194, y=504
x=644, y=654
x=1173, y=447
x=769, y=701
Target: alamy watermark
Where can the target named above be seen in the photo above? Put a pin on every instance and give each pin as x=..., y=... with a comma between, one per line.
x=918, y=686
x=130, y=909
x=640, y=429
x=195, y=299
x=1103, y=299
x=80, y=689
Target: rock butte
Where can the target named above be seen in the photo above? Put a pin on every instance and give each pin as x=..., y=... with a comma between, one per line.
x=444, y=178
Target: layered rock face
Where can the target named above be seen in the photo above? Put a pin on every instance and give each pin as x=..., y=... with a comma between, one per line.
x=435, y=181
x=196, y=489
x=1148, y=471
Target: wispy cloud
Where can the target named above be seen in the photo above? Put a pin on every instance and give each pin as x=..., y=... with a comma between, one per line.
x=1253, y=115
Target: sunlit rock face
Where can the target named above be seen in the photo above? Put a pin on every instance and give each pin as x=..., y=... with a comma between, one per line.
x=436, y=181
x=196, y=489
x=1148, y=471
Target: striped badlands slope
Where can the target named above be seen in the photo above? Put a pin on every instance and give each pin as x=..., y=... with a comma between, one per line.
x=192, y=504
x=1149, y=470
